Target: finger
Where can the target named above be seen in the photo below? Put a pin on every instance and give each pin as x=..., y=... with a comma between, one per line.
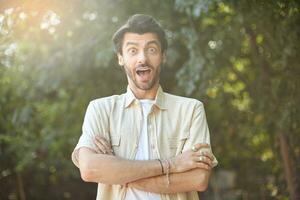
x=201, y=145
x=204, y=153
x=203, y=159
x=110, y=152
x=103, y=141
x=203, y=166
x=97, y=150
x=104, y=144
x=100, y=147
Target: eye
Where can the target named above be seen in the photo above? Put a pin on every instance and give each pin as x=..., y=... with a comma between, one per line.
x=132, y=51
x=152, y=50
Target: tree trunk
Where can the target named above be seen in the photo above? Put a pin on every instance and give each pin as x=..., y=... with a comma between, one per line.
x=287, y=165
x=20, y=186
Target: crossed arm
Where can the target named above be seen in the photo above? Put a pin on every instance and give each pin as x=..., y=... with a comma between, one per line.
x=193, y=180
x=186, y=172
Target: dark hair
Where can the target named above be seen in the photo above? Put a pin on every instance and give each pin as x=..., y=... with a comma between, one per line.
x=140, y=23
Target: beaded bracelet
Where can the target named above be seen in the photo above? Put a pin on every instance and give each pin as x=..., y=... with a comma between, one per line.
x=168, y=172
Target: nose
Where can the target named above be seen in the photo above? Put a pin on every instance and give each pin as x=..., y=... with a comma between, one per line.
x=142, y=57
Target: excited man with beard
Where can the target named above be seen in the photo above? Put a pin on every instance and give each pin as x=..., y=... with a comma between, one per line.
x=144, y=144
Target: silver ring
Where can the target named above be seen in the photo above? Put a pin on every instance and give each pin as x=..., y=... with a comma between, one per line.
x=194, y=149
x=201, y=158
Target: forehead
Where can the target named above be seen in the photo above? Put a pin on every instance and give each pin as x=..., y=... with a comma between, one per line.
x=140, y=39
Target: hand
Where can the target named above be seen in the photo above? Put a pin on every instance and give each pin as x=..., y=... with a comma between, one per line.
x=102, y=145
x=198, y=157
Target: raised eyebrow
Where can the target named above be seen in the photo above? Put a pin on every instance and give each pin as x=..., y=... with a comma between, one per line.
x=131, y=43
x=148, y=43
x=153, y=42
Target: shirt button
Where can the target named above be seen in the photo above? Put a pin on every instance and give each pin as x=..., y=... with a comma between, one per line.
x=152, y=146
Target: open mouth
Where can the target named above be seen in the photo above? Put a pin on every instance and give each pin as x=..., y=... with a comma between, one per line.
x=143, y=72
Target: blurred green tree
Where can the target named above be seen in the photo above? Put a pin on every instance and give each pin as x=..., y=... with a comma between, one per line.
x=239, y=57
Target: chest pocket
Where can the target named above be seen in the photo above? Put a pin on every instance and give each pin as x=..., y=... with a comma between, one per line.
x=176, y=144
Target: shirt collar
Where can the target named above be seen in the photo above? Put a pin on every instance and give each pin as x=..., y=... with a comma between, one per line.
x=159, y=99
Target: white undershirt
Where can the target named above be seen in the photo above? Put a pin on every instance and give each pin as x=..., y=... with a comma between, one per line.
x=143, y=154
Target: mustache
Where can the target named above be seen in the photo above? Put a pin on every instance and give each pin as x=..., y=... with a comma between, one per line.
x=144, y=65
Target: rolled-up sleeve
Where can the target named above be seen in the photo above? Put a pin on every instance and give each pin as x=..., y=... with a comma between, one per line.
x=91, y=127
x=199, y=131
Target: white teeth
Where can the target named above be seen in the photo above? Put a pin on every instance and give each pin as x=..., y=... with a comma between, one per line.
x=142, y=71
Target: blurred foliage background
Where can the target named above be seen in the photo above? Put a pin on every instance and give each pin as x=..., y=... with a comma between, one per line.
x=240, y=58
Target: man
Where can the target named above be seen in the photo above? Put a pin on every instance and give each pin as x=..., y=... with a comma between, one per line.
x=144, y=144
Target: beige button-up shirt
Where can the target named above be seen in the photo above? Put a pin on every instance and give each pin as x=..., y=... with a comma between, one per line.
x=175, y=125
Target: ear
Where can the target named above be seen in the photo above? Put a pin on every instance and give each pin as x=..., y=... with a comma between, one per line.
x=120, y=59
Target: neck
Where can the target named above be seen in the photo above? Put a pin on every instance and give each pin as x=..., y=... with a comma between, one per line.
x=144, y=94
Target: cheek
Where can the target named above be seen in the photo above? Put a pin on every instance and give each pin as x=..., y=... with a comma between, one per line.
x=158, y=58
x=157, y=61
x=129, y=62
x=129, y=69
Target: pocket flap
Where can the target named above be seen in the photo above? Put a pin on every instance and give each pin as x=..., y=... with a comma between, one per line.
x=178, y=142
